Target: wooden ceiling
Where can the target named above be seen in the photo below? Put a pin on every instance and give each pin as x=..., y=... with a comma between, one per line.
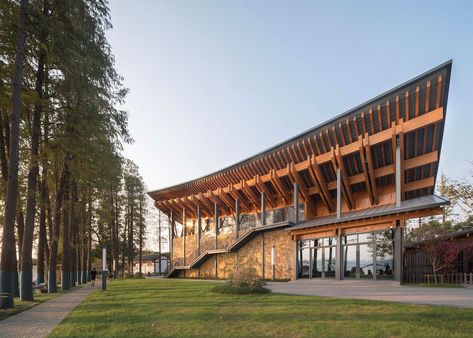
x=361, y=142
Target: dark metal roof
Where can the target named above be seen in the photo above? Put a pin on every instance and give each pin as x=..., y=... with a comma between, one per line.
x=419, y=203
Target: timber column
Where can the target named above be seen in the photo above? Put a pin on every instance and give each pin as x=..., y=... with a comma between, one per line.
x=199, y=229
x=398, y=250
x=237, y=217
x=171, y=240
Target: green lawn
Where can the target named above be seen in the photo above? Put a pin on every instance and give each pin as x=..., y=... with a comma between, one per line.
x=156, y=307
x=22, y=306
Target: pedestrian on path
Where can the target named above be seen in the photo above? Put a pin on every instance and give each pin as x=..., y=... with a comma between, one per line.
x=93, y=274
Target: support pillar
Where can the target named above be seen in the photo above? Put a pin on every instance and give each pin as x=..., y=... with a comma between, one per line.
x=339, y=259
x=262, y=255
x=184, y=230
x=237, y=217
x=296, y=202
x=159, y=244
x=398, y=174
x=339, y=194
x=216, y=225
x=357, y=261
x=199, y=229
x=263, y=209
x=171, y=240
x=398, y=250
x=296, y=260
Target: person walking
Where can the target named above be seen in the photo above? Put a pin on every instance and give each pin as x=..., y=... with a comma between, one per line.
x=93, y=275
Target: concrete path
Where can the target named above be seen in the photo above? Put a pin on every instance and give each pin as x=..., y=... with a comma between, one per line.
x=377, y=290
x=40, y=320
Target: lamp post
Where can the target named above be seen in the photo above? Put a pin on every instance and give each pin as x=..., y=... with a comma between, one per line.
x=104, y=268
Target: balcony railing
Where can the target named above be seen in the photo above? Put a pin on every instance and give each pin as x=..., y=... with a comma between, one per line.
x=227, y=229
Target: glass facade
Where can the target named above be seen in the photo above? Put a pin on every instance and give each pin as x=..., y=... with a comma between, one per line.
x=317, y=258
x=366, y=255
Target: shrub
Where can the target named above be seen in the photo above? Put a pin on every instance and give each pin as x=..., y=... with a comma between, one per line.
x=243, y=279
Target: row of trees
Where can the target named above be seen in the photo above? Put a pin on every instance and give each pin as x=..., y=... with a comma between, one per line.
x=65, y=187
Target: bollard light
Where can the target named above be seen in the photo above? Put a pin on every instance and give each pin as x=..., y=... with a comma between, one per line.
x=104, y=268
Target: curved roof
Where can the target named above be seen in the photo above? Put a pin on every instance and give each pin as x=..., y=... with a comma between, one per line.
x=345, y=126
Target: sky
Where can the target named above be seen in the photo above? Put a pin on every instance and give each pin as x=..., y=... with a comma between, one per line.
x=214, y=82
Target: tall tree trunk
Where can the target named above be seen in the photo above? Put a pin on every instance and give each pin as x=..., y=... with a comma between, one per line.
x=41, y=253
x=52, y=281
x=7, y=265
x=20, y=225
x=141, y=236
x=27, y=261
x=115, y=238
x=89, y=239
x=66, y=250
x=73, y=230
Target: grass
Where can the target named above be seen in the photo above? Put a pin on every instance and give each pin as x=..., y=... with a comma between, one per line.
x=21, y=306
x=177, y=308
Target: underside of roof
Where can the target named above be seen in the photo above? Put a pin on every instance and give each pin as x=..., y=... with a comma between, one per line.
x=361, y=141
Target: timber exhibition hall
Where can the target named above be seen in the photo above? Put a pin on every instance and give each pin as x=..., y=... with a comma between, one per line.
x=331, y=202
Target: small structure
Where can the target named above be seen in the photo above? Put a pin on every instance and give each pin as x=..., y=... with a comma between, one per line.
x=154, y=263
x=418, y=268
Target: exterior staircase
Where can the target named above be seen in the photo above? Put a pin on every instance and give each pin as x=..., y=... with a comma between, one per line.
x=233, y=247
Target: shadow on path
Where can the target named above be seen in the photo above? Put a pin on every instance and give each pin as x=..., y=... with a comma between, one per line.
x=40, y=320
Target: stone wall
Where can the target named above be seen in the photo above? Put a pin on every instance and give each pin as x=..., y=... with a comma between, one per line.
x=177, y=251
x=252, y=254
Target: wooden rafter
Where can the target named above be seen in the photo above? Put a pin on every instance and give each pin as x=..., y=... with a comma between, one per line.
x=222, y=196
x=280, y=187
x=361, y=150
x=295, y=178
x=338, y=163
x=236, y=194
x=262, y=188
x=250, y=194
x=371, y=174
x=320, y=184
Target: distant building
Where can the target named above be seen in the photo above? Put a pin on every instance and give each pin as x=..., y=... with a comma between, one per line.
x=330, y=202
x=417, y=266
x=151, y=263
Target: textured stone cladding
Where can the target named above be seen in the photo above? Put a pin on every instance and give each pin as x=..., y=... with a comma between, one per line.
x=226, y=262
x=252, y=254
x=191, y=248
x=207, y=270
x=225, y=239
x=284, y=255
x=177, y=253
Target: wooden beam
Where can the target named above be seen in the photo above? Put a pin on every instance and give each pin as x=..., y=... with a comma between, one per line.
x=320, y=183
x=371, y=174
x=295, y=178
x=420, y=184
x=263, y=189
x=361, y=150
x=346, y=186
x=224, y=198
x=250, y=194
x=280, y=187
x=421, y=160
x=236, y=194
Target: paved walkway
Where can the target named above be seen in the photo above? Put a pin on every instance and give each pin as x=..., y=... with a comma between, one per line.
x=40, y=320
x=377, y=290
